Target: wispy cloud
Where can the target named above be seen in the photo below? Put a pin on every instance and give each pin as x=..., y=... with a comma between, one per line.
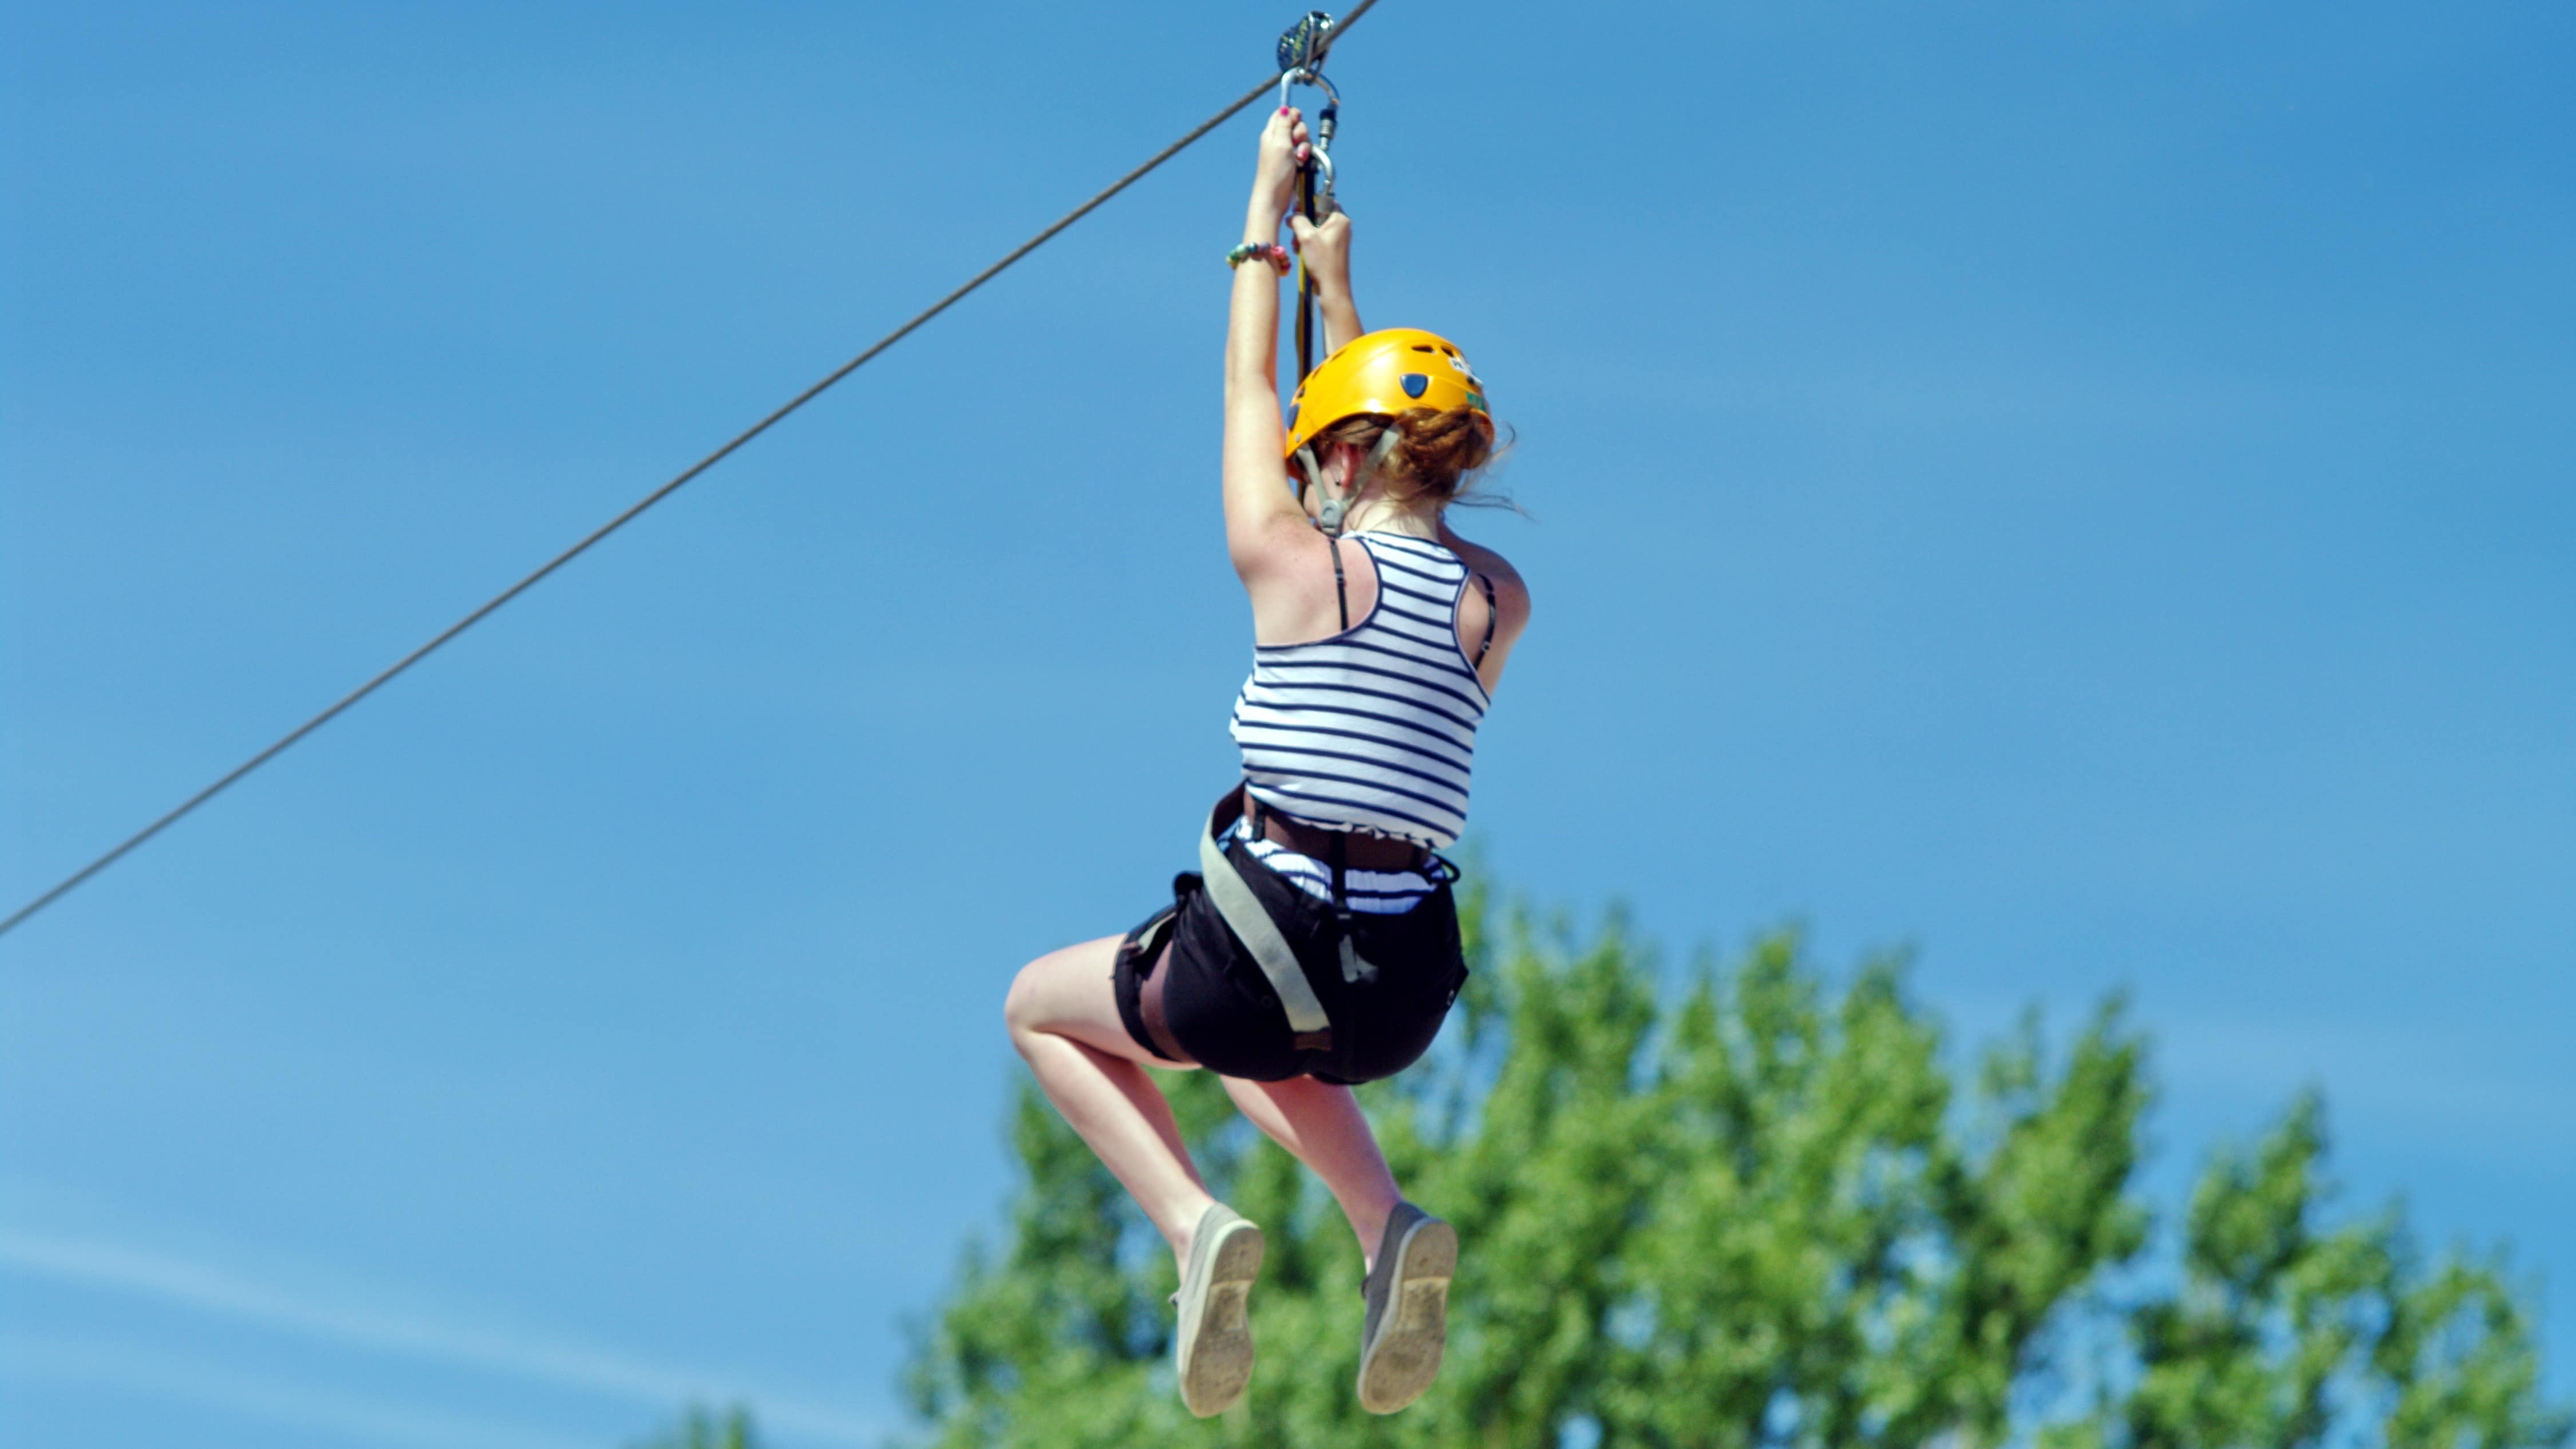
x=277, y=1401
x=2496, y=1099
x=220, y=1292
x=2439, y=1091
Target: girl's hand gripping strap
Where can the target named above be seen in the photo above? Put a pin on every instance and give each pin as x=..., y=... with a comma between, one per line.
x=1260, y=935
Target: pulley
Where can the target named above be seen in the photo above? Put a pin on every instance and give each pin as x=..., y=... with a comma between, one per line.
x=1303, y=44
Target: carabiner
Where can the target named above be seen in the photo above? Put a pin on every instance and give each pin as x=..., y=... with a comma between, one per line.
x=1315, y=78
x=1320, y=135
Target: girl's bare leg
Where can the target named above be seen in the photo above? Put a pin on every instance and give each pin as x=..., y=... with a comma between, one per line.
x=1063, y=1017
x=1321, y=1126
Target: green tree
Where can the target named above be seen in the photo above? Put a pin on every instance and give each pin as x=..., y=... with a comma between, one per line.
x=1762, y=1213
x=701, y=1429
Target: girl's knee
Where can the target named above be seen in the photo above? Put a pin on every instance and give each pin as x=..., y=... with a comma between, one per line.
x=1043, y=996
x=1022, y=1010
x=1065, y=993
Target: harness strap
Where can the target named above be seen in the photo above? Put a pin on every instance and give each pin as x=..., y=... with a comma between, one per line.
x=1153, y=979
x=1234, y=900
x=1341, y=594
x=1158, y=1018
x=1355, y=967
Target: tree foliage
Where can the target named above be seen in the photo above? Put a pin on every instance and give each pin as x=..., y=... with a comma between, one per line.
x=1758, y=1212
x=701, y=1428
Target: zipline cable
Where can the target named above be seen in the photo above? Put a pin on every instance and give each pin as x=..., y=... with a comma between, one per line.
x=657, y=495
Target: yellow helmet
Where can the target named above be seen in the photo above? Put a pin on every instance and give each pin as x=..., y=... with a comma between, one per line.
x=1383, y=373
x=1380, y=374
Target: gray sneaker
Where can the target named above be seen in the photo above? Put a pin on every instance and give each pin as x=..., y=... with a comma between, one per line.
x=1408, y=1309
x=1214, y=1344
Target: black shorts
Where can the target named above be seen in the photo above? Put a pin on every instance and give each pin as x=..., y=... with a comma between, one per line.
x=1221, y=1008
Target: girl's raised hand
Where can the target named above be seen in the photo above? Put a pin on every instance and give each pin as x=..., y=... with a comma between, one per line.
x=1326, y=246
x=1283, y=153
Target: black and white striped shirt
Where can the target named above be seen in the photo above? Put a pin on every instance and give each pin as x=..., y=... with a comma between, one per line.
x=1374, y=728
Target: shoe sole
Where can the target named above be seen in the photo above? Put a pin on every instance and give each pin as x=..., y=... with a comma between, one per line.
x=1216, y=1350
x=1404, y=1360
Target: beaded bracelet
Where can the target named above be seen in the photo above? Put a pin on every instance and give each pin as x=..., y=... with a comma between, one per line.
x=1271, y=252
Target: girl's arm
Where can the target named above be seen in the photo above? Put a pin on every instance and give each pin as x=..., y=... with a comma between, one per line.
x=1326, y=246
x=1262, y=519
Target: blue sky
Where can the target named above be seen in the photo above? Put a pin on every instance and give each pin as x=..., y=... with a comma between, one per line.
x=2083, y=492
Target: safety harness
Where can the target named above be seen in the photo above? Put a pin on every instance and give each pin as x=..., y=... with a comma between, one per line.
x=1234, y=900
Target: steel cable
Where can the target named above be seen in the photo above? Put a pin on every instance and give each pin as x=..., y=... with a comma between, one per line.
x=656, y=496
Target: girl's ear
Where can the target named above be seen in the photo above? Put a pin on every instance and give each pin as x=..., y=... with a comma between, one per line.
x=1346, y=460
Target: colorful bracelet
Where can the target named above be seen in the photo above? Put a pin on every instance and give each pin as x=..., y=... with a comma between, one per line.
x=1271, y=252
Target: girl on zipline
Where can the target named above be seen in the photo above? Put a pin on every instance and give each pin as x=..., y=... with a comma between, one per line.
x=1318, y=946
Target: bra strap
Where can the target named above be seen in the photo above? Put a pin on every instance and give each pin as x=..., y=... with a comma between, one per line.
x=1341, y=591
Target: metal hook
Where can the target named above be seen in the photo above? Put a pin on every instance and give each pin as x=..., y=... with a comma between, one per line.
x=1320, y=135
x=1302, y=76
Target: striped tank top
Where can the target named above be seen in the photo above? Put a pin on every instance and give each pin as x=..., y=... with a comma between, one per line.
x=1374, y=728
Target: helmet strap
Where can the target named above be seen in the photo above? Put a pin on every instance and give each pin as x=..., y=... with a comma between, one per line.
x=1334, y=507
x=1310, y=475
x=1360, y=476
x=1378, y=455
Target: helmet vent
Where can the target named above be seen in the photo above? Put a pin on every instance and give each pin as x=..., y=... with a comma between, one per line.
x=1423, y=347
